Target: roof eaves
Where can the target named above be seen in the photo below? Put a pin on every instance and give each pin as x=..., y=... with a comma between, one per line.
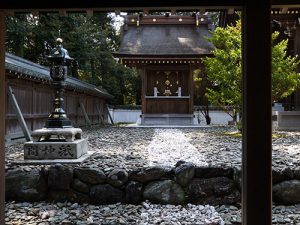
x=45, y=75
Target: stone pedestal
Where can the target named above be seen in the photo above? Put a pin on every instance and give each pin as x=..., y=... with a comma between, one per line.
x=56, y=143
x=48, y=134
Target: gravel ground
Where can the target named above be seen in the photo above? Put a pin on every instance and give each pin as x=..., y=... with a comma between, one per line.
x=117, y=214
x=131, y=148
x=145, y=214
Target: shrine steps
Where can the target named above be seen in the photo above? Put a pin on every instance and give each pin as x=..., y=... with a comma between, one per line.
x=168, y=119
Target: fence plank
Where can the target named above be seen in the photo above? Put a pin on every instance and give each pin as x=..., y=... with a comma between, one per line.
x=87, y=119
x=19, y=114
x=111, y=119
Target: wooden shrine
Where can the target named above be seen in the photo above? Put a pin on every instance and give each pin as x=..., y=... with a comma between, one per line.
x=166, y=49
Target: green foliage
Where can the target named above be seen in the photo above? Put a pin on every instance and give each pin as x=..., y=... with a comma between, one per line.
x=90, y=40
x=285, y=78
x=224, y=69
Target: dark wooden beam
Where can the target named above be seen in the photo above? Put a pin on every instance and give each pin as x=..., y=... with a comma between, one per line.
x=297, y=52
x=132, y=5
x=257, y=131
x=2, y=116
x=283, y=3
x=144, y=87
x=118, y=4
x=191, y=88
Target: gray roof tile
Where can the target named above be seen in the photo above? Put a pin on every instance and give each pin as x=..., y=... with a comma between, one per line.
x=166, y=40
x=26, y=67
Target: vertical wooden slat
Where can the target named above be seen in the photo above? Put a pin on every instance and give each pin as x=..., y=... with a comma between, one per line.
x=191, y=90
x=144, y=88
x=85, y=114
x=2, y=116
x=19, y=114
x=257, y=144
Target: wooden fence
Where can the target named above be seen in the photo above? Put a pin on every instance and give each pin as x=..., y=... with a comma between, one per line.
x=36, y=102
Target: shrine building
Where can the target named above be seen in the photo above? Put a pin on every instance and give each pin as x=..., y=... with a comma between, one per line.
x=166, y=50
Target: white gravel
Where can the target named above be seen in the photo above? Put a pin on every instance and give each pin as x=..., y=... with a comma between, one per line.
x=168, y=146
x=42, y=213
x=131, y=148
x=117, y=214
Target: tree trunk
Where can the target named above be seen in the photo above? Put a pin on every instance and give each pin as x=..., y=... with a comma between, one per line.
x=208, y=119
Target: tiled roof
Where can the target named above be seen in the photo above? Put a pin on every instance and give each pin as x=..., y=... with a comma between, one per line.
x=170, y=39
x=29, y=70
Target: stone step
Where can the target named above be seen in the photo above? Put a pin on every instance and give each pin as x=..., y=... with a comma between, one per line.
x=167, y=119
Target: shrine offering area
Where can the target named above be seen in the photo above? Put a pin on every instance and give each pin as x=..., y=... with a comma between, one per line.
x=150, y=176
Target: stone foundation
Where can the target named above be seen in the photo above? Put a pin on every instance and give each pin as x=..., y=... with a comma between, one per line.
x=181, y=184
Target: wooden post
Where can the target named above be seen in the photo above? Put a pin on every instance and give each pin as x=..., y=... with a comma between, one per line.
x=87, y=119
x=191, y=89
x=19, y=114
x=257, y=132
x=144, y=88
x=100, y=114
x=110, y=118
x=297, y=52
x=2, y=116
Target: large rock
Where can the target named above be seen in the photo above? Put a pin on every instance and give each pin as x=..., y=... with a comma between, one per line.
x=106, y=194
x=282, y=175
x=90, y=175
x=287, y=192
x=184, y=173
x=134, y=192
x=214, y=191
x=26, y=186
x=149, y=174
x=237, y=177
x=210, y=172
x=164, y=192
x=117, y=177
x=60, y=177
x=68, y=195
x=297, y=174
x=80, y=186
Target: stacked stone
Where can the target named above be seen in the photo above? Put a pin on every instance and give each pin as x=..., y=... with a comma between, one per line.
x=164, y=185
x=184, y=183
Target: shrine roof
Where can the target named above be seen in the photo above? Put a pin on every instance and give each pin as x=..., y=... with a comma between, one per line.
x=161, y=39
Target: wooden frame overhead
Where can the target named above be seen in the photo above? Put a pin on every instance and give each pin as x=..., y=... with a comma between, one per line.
x=133, y=5
x=257, y=95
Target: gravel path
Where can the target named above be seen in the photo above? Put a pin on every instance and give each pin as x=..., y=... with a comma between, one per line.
x=168, y=146
x=131, y=148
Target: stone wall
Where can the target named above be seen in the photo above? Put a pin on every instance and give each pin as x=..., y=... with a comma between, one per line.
x=181, y=184
x=218, y=117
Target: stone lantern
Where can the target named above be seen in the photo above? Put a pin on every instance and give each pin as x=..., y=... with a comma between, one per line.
x=59, y=139
x=59, y=60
